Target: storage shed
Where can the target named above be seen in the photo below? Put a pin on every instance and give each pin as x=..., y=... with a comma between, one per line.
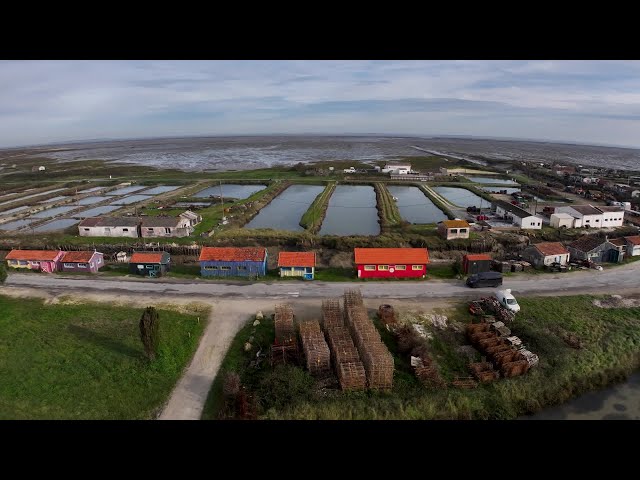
x=42, y=260
x=391, y=262
x=560, y=220
x=150, y=264
x=85, y=261
x=476, y=263
x=297, y=264
x=233, y=261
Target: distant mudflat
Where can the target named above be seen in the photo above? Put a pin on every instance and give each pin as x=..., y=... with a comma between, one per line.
x=253, y=152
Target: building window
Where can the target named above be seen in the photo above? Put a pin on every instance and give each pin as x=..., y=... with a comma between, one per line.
x=125, y=229
x=383, y=267
x=23, y=262
x=538, y=223
x=35, y=263
x=149, y=267
x=167, y=230
x=587, y=221
x=225, y=268
x=453, y=230
x=140, y=267
x=82, y=265
x=369, y=268
x=151, y=229
x=210, y=267
x=68, y=265
x=86, y=229
x=13, y=262
x=401, y=267
x=416, y=267
x=242, y=267
x=462, y=230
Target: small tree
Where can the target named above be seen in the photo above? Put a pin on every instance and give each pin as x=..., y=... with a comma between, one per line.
x=3, y=273
x=149, y=332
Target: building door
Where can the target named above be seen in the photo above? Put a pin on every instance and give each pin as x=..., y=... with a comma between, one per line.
x=613, y=256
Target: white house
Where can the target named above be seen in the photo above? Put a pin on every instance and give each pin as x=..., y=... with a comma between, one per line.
x=518, y=216
x=633, y=245
x=635, y=193
x=397, y=168
x=559, y=220
x=109, y=227
x=584, y=215
x=612, y=216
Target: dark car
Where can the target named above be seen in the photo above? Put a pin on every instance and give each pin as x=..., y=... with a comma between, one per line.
x=485, y=279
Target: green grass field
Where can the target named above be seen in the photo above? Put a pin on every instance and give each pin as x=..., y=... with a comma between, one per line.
x=86, y=361
x=610, y=351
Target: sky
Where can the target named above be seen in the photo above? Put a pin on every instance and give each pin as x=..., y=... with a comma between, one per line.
x=595, y=102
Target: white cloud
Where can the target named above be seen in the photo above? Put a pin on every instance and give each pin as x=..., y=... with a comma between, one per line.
x=44, y=101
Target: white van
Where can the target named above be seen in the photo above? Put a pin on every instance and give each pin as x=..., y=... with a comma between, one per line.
x=507, y=300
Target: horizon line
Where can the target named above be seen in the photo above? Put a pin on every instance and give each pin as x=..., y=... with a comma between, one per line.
x=347, y=134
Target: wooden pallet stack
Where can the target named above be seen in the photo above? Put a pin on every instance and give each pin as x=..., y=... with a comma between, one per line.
x=315, y=348
x=377, y=360
x=345, y=357
x=285, y=346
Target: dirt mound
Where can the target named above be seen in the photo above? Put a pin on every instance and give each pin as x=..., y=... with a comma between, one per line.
x=616, y=301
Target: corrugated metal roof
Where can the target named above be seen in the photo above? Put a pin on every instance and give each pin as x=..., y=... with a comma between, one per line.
x=233, y=254
x=151, y=222
x=296, y=259
x=78, y=257
x=110, y=222
x=587, y=243
x=513, y=209
x=36, y=255
x=618, y=242
x=379, y=256
x=586, y=209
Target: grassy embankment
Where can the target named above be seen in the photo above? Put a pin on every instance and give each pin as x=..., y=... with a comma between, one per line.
x=313, y=217
x=437, y=203
x=387, y=207
x=86, y=361
x=610, y=351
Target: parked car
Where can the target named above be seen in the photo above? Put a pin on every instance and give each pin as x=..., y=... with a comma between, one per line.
x=484, y=279
x=507, y=300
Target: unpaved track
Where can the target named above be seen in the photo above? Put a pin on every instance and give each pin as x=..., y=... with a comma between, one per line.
x=611, y=280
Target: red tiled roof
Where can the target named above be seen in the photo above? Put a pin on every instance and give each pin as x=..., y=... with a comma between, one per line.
x=146, y=257
x=618, y=242
x=473, y=258
x=551, y=248
x=634, y=240
x=233, y=254
x=377, y=256
x=296, y=259
x=38, y=255
x=78, y=257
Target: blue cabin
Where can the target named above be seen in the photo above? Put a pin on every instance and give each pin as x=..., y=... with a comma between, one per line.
x=233, y=262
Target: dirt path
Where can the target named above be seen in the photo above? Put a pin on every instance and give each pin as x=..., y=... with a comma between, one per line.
x=190, y=394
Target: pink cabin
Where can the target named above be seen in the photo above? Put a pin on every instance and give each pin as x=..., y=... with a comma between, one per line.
x=43, y=260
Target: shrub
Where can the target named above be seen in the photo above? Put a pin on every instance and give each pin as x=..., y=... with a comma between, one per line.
x=3, y=273
x=283, y=386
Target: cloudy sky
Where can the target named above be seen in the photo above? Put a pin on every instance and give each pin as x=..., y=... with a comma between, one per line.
x=575, y=101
